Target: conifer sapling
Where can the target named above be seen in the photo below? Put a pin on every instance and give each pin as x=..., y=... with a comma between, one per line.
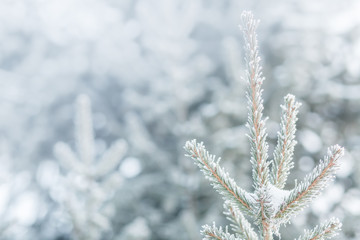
x=269, y=206
x=90, y=180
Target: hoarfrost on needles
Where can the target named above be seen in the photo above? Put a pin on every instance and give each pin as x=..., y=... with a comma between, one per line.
x=270, y=206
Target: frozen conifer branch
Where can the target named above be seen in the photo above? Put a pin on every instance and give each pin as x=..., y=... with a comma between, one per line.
x=215, y=233
x=311, y=186
x=255, y=123
x=218, y=177
x=326, y=230
x=239, y=225
x=286, y=142
x=269, y=206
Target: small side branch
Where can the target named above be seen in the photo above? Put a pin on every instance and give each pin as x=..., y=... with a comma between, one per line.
x=215, y=233
x=326, y=230
x=239, y=223
x=218, y=177
x=286, y=142
x=111, y=158
x=312, y=185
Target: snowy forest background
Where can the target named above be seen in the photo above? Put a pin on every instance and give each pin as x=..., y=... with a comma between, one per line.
x=159, y=73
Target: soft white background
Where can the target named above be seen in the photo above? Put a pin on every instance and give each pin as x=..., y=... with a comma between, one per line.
x=159, y=73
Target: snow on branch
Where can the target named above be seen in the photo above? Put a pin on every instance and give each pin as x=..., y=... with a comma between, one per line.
x=270, y=205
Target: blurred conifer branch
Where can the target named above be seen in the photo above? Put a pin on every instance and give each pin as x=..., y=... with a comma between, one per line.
x=89, y=182
x=270, y=205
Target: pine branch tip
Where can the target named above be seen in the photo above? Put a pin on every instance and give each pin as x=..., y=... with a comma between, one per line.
x=270, y=206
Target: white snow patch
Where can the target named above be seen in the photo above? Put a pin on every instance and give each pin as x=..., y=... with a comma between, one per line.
x=277, y=196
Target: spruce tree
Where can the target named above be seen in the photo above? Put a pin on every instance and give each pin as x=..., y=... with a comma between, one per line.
x=90, y=180
x=269, y=206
